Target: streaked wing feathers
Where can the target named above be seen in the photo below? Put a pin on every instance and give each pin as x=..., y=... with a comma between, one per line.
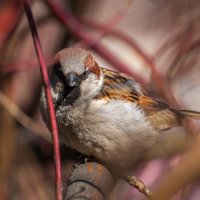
x=119, y=86
x=122, y=87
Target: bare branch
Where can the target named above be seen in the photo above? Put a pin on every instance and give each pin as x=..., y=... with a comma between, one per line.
x=22, y=118
x=89, y=181
x=138, y=184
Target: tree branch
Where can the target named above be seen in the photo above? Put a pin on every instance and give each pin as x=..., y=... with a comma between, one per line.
x=90, y=180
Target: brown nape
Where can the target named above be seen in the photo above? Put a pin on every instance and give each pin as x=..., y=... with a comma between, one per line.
x=92, y=65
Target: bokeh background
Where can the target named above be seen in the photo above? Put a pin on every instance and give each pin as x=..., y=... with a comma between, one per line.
x=157, y=40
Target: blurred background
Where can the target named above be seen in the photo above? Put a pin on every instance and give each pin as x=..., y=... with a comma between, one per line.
x=157, y=41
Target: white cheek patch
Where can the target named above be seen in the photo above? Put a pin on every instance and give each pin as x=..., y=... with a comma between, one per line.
x=54, y=95
x=91, y=86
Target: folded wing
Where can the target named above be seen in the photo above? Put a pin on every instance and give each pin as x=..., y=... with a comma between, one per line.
x=122, y=87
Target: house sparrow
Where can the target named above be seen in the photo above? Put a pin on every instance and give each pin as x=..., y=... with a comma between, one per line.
x=105, y=114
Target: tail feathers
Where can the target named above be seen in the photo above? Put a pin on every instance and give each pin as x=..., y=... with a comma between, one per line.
x=169, y=118
x=189, y=113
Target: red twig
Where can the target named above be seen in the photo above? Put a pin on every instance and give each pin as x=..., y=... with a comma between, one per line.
x=45, y=79
x=12, y=67
x=79, y=31
x=181, y=54
x=110, y=23
x=149, y=60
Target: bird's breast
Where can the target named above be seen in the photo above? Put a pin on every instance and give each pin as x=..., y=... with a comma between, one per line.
x=110, y=131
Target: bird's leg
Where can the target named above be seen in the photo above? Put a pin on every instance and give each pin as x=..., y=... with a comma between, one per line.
x=138, y=184
x=82, y=159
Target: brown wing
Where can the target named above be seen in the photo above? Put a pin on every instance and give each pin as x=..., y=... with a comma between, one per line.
x=120, y=86
x=160, y=115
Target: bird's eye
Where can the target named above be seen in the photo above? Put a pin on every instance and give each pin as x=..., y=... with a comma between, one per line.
x=85, y=74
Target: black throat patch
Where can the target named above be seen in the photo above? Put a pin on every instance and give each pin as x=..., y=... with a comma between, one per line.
x=66, y=95
x=71, y=96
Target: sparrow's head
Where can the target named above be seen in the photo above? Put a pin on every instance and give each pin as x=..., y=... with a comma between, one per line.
x=75, y=75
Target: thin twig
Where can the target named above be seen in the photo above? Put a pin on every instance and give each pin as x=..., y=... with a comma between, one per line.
x=173, y=67
x=23, y=65
x=148, y=59
x=22, y=118
x=167, y=44
x=45, y=79
x=79, y=31
x=159, y=79
x=110, y=24
x=138, y=184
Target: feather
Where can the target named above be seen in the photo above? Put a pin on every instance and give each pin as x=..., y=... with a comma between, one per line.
x=119, y=86
x=122, y=87
x=189, y=113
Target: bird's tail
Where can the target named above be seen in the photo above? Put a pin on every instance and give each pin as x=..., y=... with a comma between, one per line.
x=188, y=113
x=169, y=118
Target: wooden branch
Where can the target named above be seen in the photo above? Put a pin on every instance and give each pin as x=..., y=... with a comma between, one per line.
x=90, y=180
x=138, y=184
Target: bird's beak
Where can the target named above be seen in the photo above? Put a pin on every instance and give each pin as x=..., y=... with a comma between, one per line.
x=72, y=79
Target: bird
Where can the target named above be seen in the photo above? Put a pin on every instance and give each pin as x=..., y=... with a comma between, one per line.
x=105, y=114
